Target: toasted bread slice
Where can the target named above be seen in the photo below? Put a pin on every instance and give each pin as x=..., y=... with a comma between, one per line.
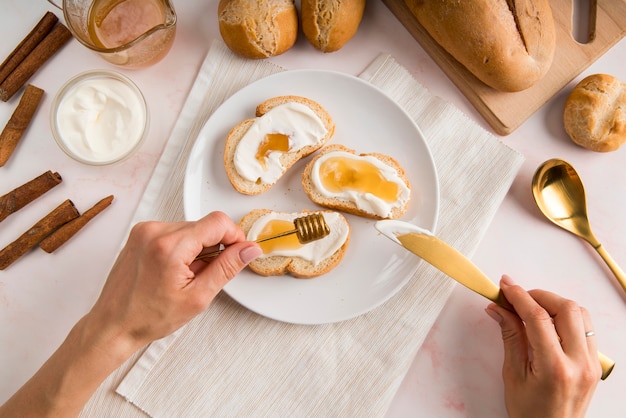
x=295, y=265
x=354, y=201
x=312, y=129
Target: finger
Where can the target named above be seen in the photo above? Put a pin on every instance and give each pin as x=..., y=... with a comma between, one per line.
x=568, y=320
x=226, y=266
x=591, y=339
x=592, y=342
x=217, y=228
x=209, y=250
x=513, y=338
x=540, y=330
x=209, y=232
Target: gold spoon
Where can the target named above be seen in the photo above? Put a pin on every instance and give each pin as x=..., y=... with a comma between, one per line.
x=560, y=195
x=307, y=229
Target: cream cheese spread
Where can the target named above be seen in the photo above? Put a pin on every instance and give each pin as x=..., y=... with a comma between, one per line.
x=314, y=251
x=367, y=202
x=101, y=119
x=295, y=120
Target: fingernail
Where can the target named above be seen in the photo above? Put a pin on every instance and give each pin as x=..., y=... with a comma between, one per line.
x=507, y=280
x=494, y=315
x=250, y=253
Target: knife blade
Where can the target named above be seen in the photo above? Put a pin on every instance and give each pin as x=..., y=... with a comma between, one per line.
x=453, y=263
x=444, y=257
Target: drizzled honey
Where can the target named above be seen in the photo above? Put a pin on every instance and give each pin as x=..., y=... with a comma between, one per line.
x=340, y=173
x=274, y=227
x=271, y=142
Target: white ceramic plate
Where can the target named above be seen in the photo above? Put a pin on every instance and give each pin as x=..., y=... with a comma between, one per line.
x=366, y=120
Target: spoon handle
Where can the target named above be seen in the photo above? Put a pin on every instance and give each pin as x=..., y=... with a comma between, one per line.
x=617, y=271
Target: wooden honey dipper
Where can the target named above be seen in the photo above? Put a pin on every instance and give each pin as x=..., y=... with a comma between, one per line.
x=307, y=228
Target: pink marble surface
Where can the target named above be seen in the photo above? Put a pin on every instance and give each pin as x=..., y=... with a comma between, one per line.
x=457, y=371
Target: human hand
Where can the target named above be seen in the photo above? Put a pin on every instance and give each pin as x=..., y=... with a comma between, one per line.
x=551, y=368
x=155, y=286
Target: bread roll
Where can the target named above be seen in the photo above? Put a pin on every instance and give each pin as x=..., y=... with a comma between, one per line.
x=329, y=24
x=258, y=28
x=369, y=185
x=260, y=150
x=310, y=260
x=507, y=44
x=594, y=115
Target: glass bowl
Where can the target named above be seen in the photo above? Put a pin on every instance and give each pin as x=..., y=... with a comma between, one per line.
x=99, y=117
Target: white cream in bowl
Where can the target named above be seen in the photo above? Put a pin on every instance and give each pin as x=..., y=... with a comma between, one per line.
x=99, y=117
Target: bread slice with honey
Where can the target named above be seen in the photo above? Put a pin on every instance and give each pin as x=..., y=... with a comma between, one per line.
x=285, y=255
x=258, y=151
x=370, y=185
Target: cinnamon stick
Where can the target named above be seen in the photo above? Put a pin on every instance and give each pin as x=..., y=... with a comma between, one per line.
x=19, y=197
x=53, y=41
x=21, y=51
x=19, y=121
x=67, y=231
x=64, y=213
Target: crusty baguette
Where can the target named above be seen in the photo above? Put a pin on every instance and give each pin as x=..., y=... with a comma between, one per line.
x=330, y=24
x=288, y=159
x=346, y=205
x=258, y=29
x=295, y=266
x=507, y=44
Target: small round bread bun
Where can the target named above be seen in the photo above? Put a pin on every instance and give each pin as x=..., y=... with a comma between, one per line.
x=258, y=28
x=330, y=24
x=595, y=113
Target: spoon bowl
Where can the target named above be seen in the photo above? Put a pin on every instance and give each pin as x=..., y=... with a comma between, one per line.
x=560, y=196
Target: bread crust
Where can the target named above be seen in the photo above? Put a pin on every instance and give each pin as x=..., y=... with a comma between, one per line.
x=507, y=44
x=594, y=115
x=258, y=28
x=344, y=205
x=235, y=135
x=330, y=24
x=294, y=266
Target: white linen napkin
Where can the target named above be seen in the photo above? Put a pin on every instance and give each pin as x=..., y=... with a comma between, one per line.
x=230, y=361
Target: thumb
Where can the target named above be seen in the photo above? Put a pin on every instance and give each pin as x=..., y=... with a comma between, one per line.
x=227, y=265
x=513, y=337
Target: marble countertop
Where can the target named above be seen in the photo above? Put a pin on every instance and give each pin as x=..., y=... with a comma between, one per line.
x=457, y=371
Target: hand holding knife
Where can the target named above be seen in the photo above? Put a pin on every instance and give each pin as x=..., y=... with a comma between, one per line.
x=454, y=264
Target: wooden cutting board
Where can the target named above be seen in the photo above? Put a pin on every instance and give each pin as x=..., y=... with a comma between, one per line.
x=505, y=112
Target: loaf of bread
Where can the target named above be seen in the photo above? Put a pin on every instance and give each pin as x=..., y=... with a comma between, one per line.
x=594, y=115
x=368, y=185
x=507, y=44
x=258, y=29
x=330, y=24
x=260, y=150
x=288, y=256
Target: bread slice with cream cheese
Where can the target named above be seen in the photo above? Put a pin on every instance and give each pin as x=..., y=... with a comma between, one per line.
x=307, y=261
x=390, y=200
x=258, y=151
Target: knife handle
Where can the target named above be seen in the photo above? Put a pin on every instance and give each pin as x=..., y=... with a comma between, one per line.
x=607, y=365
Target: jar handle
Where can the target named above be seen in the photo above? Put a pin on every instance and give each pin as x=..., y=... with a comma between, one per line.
x=54, y=4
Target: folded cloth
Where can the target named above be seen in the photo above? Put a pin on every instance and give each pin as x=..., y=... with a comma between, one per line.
x=230, y=361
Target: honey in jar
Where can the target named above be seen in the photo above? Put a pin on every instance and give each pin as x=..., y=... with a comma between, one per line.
x=132, y=33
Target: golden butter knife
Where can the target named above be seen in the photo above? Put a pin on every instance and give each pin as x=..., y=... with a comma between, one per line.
x=450, y=261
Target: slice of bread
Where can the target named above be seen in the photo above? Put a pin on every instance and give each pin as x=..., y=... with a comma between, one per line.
x=279, y=265
x=348, y=203
x=286, y=159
